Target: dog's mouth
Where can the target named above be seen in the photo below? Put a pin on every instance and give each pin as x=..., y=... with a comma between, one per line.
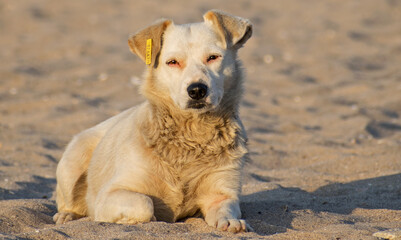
x=197, y=104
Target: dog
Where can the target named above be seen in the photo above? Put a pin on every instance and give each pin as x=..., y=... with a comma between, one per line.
x=178, y=154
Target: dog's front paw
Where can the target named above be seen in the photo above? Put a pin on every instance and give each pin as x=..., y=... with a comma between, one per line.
x=232, y=225
x=223, y=213
x=63, y=217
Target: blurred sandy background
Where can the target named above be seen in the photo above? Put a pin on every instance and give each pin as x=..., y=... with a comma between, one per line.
x=322, y=109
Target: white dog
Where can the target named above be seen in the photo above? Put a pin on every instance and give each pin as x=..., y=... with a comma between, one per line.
x=179, y=153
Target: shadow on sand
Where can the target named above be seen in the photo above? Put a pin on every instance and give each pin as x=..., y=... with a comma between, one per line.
x=273, y=212
x=40, y=187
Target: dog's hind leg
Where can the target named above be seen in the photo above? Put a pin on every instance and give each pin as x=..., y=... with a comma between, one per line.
x=71, y=176
x=123, y=206
x=73, y=167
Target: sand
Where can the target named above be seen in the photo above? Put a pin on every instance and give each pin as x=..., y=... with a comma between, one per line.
x=322, y=109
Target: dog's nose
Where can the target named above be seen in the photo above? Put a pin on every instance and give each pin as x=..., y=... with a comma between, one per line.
x=197, y=91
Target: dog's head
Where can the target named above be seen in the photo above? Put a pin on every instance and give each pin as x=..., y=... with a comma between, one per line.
x=194, y=65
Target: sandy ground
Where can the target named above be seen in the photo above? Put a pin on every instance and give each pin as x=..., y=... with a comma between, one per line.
x=322, y=109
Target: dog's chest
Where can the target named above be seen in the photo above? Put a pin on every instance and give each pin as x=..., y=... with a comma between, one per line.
x=181, y=176
x=180, y=195
x=184, y=154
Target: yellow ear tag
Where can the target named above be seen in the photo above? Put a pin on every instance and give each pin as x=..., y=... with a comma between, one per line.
x=148, y=51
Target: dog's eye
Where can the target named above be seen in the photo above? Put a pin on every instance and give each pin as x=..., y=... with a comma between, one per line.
x=173, y=63
x=211, y=58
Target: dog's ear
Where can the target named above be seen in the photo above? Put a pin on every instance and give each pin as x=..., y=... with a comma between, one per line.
x=234, y=31
x=138, y=42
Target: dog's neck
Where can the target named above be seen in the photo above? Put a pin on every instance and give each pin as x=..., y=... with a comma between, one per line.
x=179, y=137
x=172, y=121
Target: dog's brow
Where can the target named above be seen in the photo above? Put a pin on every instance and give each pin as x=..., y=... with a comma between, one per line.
x=214, y=50
x=175, y=55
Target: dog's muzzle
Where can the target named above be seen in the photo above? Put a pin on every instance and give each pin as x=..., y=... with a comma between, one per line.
x=197, y=104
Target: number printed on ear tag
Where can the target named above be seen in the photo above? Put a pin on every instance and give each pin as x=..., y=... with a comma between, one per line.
x=148, y=51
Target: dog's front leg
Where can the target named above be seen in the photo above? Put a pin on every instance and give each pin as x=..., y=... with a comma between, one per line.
x=124, y=206
x=224, y=213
